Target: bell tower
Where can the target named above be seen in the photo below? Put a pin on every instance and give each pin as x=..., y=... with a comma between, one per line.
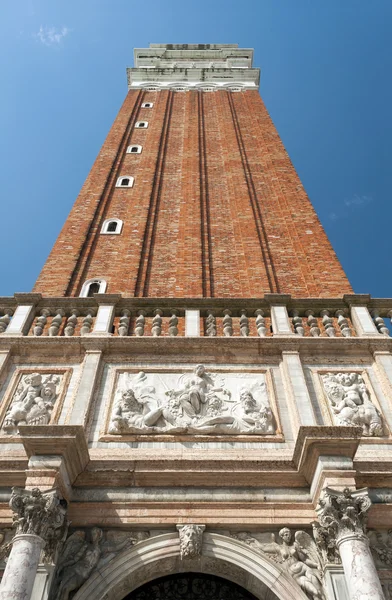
x=207, y=200
x=193, y=402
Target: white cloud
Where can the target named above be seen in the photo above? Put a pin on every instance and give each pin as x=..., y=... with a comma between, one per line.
x=349, y=205
x=50, y=36
x=357, y=200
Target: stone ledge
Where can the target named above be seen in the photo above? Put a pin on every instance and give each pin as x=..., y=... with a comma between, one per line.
x=315, y=441
x=67, y=441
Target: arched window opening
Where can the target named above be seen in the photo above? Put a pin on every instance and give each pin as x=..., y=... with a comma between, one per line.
x=113, y=226
x=141, y=124
x=147, y=104
x=125, y=181
x=135, y=149
x=93, y=286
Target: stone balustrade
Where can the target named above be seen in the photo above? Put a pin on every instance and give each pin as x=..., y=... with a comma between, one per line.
x=274, y=315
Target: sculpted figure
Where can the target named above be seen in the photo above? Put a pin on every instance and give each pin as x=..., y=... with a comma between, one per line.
x=351, y=404
x=128, y=414
x=193, y=394
x=33, y=405
x=191, y=538
x=260, y=420
x=80, y=557
x=299, y=557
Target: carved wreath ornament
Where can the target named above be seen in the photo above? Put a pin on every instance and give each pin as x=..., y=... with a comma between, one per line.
x=198, y=403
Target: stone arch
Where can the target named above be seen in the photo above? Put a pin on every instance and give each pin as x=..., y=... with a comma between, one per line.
x=158, y=556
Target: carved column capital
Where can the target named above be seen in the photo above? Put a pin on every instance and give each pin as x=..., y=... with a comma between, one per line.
x=38, y=513
x=191, y=539
x=343, y=514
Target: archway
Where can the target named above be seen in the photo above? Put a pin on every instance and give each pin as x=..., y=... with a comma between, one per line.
x=190, y=586
x=221, y=556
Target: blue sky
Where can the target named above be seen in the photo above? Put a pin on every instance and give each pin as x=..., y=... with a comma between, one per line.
x=326, y=80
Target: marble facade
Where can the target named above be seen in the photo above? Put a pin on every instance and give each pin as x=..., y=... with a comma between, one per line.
x=256, y=478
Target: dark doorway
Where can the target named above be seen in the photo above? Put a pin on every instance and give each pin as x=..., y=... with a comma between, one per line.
x=190, y=586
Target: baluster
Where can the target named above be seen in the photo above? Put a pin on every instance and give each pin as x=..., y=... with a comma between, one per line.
x=87, y=323
x=56, y=322
x=41, y=322
x=328, y=323
x=343, y=323
x=260, y=323
x=298, y=325
x=72, y=321
x=5, y=321
x=140, y=322
x=157, y=323
x=244, y=324
x=389, y=315
x=173, y=322
x=211, y=324
x=227, y=323
x=380, y=324
x=313, y=324
x=123, y=325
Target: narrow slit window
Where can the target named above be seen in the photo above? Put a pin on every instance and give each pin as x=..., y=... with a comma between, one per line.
x=141, y=125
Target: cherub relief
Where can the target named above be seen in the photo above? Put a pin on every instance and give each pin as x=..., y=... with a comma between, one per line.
x=351, y=404
x=33, y=402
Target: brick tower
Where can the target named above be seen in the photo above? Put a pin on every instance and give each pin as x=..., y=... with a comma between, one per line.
x=193, y=402
x=208, y=202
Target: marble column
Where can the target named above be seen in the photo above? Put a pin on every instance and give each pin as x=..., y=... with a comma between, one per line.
x=359, y=568
x=40, y=519
x=19, y=575
x=342, y=519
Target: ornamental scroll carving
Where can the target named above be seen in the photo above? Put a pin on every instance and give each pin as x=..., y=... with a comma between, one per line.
x=194, y=403
x=33, y=401
x=86, y=551
x=351, y=404
x=296, y=553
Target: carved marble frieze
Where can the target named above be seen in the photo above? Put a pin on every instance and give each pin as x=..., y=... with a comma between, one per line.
x=381, y=546
x=84, y=552
x=192, y=402
x=350, y=402
x=296, y=552
x=35, y=399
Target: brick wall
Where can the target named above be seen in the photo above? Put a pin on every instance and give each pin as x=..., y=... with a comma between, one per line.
x=217, y=208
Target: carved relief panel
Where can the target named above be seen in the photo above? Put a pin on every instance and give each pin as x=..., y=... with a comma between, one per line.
x=35, y=398
x=350, y=400
x=194, y=401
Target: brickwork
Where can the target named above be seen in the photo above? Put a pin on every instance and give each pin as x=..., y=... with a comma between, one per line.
x=217, y=208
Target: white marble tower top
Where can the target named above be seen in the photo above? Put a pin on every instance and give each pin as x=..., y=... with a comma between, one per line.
x=188, y=66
